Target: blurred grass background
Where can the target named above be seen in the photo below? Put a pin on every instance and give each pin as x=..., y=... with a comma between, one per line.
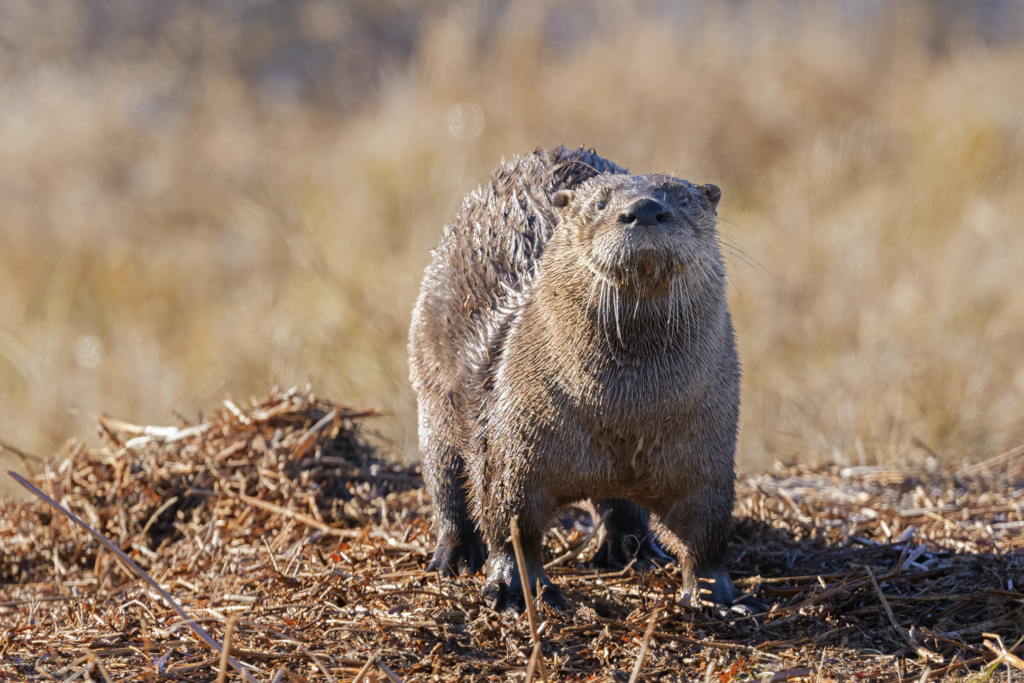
x=208, y=197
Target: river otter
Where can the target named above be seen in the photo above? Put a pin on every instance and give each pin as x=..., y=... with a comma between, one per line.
x=572, y=340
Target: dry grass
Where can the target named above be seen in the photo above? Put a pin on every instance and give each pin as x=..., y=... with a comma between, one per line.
x=274, y=522
x=174, y=226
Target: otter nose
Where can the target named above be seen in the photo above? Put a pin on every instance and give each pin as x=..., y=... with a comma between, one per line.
x=644, y=211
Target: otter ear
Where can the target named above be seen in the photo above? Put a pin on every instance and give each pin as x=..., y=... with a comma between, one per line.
x=561, y=199
x=712, y=192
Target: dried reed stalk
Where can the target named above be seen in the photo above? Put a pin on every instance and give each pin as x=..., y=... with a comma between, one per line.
x=199, y=630
x=531, y=612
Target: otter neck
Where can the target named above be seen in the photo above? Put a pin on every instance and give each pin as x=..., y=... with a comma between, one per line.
x=585, y=309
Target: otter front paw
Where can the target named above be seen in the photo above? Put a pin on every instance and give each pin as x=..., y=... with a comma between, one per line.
x=741, y=603
x=716, y=586
x=501, y=596
x=504, y=589
x=748, y=603
x=458, y=557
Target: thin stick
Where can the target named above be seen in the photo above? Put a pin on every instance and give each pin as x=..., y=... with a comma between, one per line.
x=229, y=631
x=778, y=676
x=1004, y=657
x=844, y=588
x=285, y=512
x=20, y=453
x=366, y=668
x=196, y=628
x=922, y=651
x=152, y=518
x=306, y=440
x=1000, y=459
x=534, y=656
x=643, y=647
x=103, y=671
x=389, y=673
x=680, y=638
x=531, y=613
x=292, y=676
x=305, y=650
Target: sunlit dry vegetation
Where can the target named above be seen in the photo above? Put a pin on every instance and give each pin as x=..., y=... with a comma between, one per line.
x=240, y=194
x=277, y=534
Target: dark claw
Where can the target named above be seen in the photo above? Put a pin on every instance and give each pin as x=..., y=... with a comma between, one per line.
x=617, y=553
x=628, y=538
x=553, y=596
x=749, y=604
x=452, y=558
x=722, y=591
x=501, y=597
x=497, y=597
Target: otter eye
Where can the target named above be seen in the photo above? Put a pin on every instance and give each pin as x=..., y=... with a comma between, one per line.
x=601, y=206
x=684, y=200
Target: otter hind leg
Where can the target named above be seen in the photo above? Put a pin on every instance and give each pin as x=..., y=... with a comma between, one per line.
x=628, y=538
x=460, y=547
x=703, y=524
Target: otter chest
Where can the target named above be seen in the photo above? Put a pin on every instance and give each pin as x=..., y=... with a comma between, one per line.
x=625, y=454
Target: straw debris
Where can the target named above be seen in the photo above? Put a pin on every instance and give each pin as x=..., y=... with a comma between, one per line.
x=289, y=539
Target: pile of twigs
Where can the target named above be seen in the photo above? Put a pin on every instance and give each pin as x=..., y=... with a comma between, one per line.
x=277, y=532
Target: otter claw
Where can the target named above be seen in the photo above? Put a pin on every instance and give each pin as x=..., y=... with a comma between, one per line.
x=748, y=604
x=646, y=554
x=502, y=597
x=453, y=559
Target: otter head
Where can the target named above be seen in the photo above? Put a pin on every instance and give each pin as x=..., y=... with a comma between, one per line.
x=644, y=235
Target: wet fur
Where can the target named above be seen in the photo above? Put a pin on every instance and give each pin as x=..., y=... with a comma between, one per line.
x=559, y=356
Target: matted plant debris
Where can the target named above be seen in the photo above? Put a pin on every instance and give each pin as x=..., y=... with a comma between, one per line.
x=278, y=519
